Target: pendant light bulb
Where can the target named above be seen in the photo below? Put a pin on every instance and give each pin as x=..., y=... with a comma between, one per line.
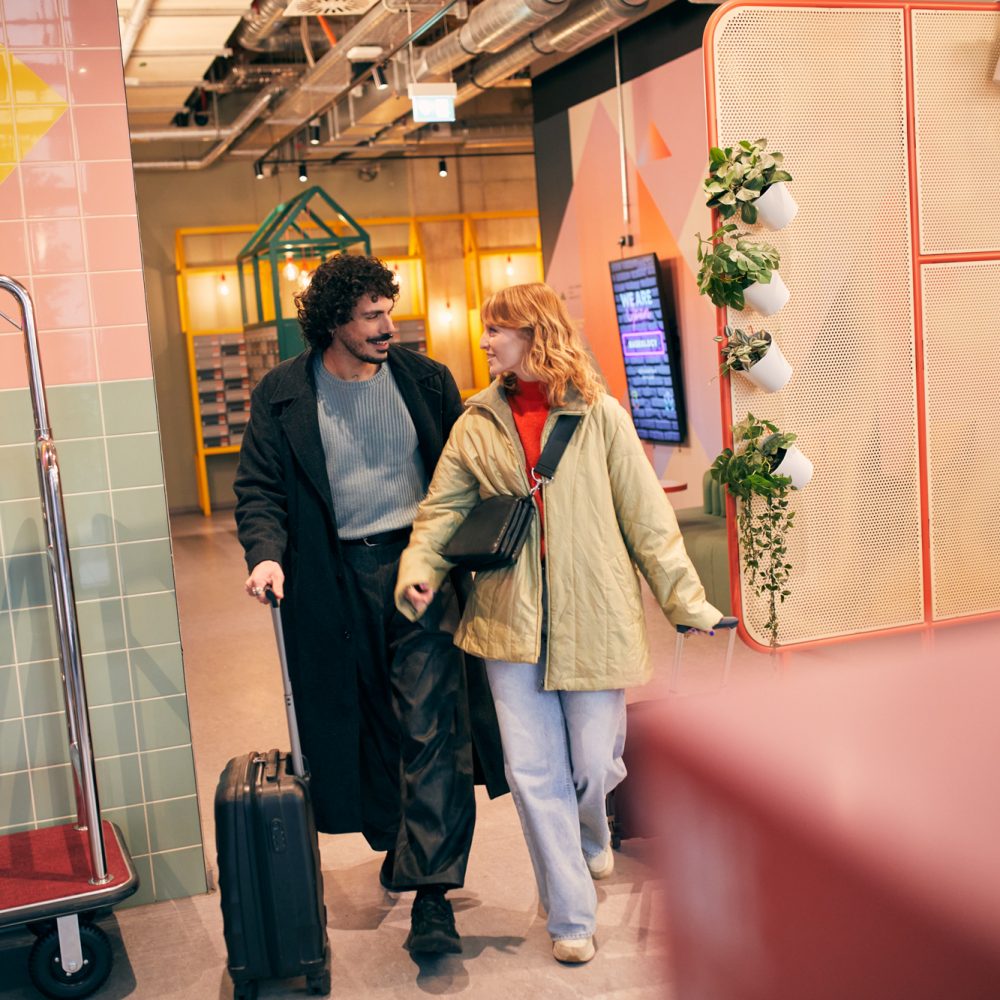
x=303, y=171
x=442, y=168
x=258, y=170
x=314, y=132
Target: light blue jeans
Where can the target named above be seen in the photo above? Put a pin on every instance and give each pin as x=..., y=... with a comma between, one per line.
x=562, y=755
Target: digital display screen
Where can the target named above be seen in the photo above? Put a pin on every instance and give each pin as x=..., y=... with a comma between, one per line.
x=647, y=327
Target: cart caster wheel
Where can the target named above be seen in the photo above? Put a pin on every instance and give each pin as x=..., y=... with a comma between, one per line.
x=245, y=991
x=319, y=985
x=46, y=971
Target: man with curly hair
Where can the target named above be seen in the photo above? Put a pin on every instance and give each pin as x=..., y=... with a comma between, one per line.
x=339, y=451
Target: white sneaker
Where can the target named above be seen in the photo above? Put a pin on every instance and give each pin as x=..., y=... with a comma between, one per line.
x=603, y=864
x=575, y=950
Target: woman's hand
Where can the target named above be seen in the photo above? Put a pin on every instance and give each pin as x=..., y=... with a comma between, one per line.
x=266, y=574
x=420, y=596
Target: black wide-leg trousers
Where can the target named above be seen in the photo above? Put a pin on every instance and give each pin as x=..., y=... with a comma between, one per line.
x=416, y=755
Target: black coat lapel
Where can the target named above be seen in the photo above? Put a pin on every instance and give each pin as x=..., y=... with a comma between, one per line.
x=301, y=425
x=421, y=391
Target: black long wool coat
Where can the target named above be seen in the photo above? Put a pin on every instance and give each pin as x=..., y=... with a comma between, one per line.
x=285, y=513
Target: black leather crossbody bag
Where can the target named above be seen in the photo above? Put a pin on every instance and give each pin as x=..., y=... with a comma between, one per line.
x=493, y=534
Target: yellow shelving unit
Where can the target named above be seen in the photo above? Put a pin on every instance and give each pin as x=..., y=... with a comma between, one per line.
x=497, y=249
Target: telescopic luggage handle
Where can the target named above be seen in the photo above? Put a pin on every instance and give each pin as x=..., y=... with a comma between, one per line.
x=298, y=767
x=727, y=624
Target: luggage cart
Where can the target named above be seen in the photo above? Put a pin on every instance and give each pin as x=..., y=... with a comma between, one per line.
x=58, y=880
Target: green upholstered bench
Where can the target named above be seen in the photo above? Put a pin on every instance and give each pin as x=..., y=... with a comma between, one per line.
x=704, y=531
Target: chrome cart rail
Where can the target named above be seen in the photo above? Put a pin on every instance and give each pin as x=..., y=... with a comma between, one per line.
x=70, y=656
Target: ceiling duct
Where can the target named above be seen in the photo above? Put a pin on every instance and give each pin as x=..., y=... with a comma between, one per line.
x=572, y=30
x=259, y=24
x=229, y=135
x=491, y=27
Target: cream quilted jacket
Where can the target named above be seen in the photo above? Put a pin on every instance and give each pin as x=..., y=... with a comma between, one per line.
x=605, y=515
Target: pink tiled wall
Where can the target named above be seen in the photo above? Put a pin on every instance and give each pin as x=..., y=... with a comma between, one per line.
x=68, y=228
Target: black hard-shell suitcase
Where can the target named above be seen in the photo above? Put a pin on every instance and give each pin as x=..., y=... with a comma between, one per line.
x=270, y=883
x=627, y=812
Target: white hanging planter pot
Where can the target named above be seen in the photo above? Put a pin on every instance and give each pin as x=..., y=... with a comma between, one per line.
x=796, y=466
x=767, y=299
x=776, y=207
x=772, y=372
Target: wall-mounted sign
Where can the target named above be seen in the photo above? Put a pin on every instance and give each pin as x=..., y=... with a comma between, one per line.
x=647, y=326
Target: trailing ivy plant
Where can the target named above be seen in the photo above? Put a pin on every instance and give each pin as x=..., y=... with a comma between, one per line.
x=742, y=349
x=739, y=175
x=730, y=262
x=762, y=514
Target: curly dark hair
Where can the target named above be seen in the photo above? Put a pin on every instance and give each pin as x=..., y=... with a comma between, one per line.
x=336, y=286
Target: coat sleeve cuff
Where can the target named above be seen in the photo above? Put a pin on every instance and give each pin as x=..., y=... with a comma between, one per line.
x=263, y=552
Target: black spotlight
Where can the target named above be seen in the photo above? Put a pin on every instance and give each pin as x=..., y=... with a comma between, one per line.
x=182, y=119
x=201, y=118
x=258, y=170
x=442, y=168
x=378, y=78
x=314, y=133
x=303, y=172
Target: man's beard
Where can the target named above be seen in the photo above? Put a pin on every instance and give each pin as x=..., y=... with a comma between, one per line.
x=377, y=359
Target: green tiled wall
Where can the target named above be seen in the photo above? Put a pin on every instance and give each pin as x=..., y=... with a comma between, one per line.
x=109, y=456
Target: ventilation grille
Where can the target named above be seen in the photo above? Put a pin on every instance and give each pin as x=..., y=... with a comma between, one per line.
x=328, y=8
x=962, y=359
x=957, y=103
x=848, y=329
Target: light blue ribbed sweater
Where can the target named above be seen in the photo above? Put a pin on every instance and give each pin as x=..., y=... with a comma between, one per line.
x=376, y=473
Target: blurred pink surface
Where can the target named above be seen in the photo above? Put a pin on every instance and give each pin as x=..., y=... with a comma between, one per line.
x=835, y=832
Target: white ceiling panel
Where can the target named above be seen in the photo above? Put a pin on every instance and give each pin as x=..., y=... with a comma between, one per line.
x=171, y=68
x=180, y=7
x=183, y=33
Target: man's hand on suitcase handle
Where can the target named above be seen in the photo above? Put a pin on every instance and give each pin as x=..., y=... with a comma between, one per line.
x=722, y=623
x=266, y=574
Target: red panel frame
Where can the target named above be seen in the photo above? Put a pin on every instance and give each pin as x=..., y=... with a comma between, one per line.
x=919, y=259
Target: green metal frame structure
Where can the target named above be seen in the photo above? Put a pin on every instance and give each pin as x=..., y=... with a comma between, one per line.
x=294, y=229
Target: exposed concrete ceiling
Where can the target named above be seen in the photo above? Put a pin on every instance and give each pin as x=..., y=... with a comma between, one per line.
x=228, y=79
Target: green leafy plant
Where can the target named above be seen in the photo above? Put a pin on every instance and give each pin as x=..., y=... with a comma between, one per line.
x=739, y=175
x=763, y=519
x=742, y=349
x=730, y=262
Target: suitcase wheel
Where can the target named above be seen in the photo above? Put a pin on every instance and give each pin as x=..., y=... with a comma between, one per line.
x=319, y=985
x=245, y=991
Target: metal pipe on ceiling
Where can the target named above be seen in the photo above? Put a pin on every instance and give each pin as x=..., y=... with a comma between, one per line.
x=570, y=31
x=137, y=18
x=491, y=27
x=259, y=23
x=239, y=125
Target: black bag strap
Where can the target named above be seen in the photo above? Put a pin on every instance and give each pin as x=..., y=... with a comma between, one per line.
x=545, y=467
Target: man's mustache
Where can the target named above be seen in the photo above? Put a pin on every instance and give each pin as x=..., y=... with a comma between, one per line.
x=381, y=339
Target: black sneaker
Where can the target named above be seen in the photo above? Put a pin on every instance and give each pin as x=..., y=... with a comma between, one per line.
x=385, y=872
x=432, y=926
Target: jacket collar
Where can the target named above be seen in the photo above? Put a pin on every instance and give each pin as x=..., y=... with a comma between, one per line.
x=494, y=399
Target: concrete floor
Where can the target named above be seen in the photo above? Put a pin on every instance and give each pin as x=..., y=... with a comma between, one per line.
x=175, y=950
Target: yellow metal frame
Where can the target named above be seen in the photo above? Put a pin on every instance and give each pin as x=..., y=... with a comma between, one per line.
x=473, y=256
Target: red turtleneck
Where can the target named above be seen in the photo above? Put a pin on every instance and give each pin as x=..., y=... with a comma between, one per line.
x=530, y=407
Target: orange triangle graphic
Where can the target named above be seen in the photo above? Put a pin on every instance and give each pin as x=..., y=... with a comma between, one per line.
x=656, y=147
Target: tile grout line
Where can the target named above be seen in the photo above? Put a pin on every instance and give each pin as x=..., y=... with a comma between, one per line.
x=114, y=525
x=114, y=756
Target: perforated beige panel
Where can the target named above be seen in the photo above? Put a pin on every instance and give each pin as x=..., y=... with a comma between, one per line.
x=962, y=355
x=957, y=106
x=848, y=328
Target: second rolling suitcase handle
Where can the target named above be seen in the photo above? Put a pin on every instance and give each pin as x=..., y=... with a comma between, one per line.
x=298, y=767
x=682, y=630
